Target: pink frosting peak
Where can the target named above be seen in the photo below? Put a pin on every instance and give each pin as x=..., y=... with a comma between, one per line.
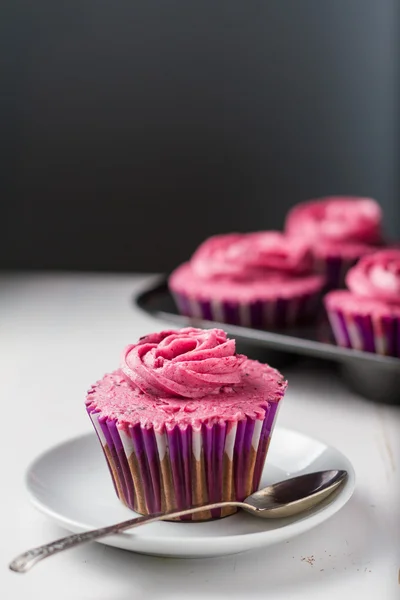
x=250, y=256
x=189, y=363
x=377, y=276
x=337, y=219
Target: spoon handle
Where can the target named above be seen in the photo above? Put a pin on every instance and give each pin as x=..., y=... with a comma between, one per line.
x=25, y=561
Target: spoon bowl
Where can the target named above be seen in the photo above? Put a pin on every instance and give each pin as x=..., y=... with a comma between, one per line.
x=293, y=496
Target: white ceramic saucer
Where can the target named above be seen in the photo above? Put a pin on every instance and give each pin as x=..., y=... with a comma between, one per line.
x=71, y=484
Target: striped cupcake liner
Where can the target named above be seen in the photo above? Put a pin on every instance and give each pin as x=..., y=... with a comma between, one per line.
x=334, y=270
x=368, y=333
x=183, y=467
x=263, y=314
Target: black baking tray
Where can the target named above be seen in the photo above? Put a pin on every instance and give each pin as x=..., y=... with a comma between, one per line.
x=371, y=375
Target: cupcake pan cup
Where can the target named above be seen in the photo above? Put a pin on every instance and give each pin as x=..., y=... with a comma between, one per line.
x=374, y=376
x=181, y=467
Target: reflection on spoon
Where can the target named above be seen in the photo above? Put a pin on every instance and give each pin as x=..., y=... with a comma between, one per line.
x=283, y=499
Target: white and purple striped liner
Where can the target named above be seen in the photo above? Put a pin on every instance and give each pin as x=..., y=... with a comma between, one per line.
x=367, y=333
x=261, y=314
x=183, y=467
x=334, y=270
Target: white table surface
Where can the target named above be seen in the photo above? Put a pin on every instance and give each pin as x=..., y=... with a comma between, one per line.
x=58, y=334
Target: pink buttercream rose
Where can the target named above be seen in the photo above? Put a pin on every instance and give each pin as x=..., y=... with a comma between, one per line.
x=188, y=363
x=377, y=276
x=251, y=256
x=337, y=219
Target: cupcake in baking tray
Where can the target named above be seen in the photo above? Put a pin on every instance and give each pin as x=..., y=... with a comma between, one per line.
x=340, y=230
x=185, y=421
x=262, y=280
x=367, y=315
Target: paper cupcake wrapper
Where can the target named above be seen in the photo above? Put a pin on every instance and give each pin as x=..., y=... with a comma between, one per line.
x=380, y=335
x=183, y=467
x=334, y=270
x=263, y=314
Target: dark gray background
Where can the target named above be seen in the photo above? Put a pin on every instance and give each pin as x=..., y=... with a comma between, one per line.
x=132, y=130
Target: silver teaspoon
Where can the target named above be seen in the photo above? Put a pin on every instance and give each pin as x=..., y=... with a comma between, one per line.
x=283, y=499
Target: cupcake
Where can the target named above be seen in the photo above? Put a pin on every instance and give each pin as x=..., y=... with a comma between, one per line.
x=185, y=421
x=340, y=230
x=367, y=315
x=262, y=280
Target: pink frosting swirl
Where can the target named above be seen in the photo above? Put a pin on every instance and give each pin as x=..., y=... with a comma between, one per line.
x=337, y=219
x=377, y=276
x=251, y=256
x=189, y=363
